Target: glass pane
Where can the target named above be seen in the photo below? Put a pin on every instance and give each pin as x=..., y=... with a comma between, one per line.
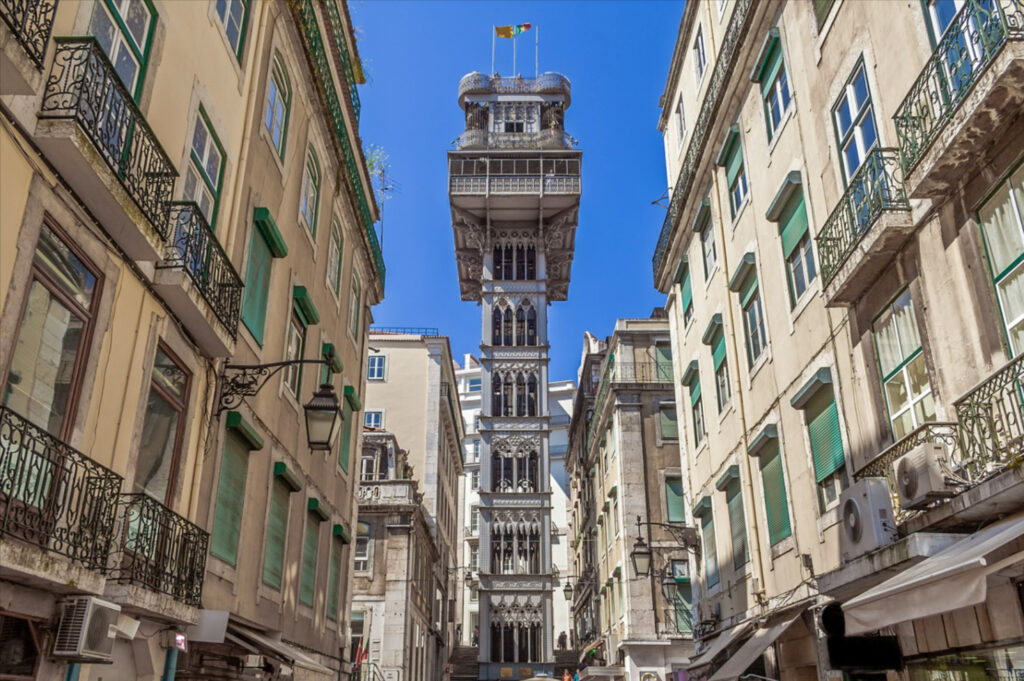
x=852, y=156
x=860, y=89
x=902, y=425
x=917, y=375
x=896, y=392
x=102, y=27
x=169, y=376
x=189, y=192
x=156, y=450
x=213, y=164
x=942, y=13
x=1011, y=295
x=136, y=18
x=66, y=269
x=1004, y=234
x=43, y=365
x=843, y=116
x=925, y=409
x=126, y=65
x=867, y=130
x=199, y=139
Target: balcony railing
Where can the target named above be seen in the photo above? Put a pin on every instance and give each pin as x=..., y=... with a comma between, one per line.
x=414, y=330
x=599, y=400
x=976, y=34
x=552, y=138
x=347, y=65
x=991, y=420
x=31, y=22
x=731, y=42
x=83, y=86
x=643, y=372
x=160, y=550
x=53, y=496
x=481, y=83
x=514, y=184
x=194, y=249
x=876, y=188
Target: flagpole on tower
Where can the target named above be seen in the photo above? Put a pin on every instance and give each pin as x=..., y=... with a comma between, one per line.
x=514, y=53
x=536, y=53
x=494, y=32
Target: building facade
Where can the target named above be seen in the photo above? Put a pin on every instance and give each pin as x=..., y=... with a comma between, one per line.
x=560, y=396
x=158, y=226
x=624, y=452
x=412, y=392
x=841, y=256
x=514, y=188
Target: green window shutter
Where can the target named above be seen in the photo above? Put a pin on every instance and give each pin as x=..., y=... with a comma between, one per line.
x=669, y=423
x=674, y=500
x=309, y=549
x=346, y=436
x=227, y=518
x=687, y=290
x=277, y=533
x=748, y=290
x=334, y=580
x=737, y=524
x=707, y=525
x=773, y=63
x=257, y=285
x=718, y=349
x=663, y=355
x=826, y=439
x=683, y=603
x=694, y=392
x=734, y=161
x=776, y=506
x=793, y=223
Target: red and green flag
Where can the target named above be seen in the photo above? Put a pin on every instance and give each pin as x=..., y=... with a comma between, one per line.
x=511, y=31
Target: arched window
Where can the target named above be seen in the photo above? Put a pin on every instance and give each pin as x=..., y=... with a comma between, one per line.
x=520, y=326
x=531, y=326
x=532, y=470
x=521, y=408
x=531, y=262
x=499, y=273
x=309, y=199
x=496, y=326
x=496, y=396
x=531, y=396
x=506, y=262
x=508, y=397
x=506, y=327
x=520, y=262
x=279, y=101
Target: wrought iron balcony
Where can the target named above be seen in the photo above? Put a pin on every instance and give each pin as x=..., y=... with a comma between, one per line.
x=643, y=372
x=160, y=550
x=875, y=189
x=480, y=83
x=83, y=86
x=552, y=138
x=193, y=249
x=53, y=496
x=974, y=38
x=31, y=22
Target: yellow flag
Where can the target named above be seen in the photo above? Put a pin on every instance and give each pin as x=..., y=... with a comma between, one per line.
x=510, y=31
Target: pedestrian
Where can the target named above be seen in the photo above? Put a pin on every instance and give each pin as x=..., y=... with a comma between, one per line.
x=565, y=675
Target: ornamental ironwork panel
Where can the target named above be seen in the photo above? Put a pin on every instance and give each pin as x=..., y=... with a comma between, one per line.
x=160, y=550
x=194, y=249
x=739, y=22
x=551, y=138
x=877, y=187
x=343, y=55
x=83, y=86
x=52, y=495
x=991, y=420
x=976, y=34
x=643, y=372
x=31, y=22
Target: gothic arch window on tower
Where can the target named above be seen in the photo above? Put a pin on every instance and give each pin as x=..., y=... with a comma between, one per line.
x=515, y=116
x=515, y=393
x=515, y=543
x=516, y=632
x=515, y=261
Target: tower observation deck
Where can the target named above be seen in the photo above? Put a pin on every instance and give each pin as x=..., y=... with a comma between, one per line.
x=514, y=189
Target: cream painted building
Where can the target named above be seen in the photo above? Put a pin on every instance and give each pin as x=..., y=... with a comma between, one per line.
x=624, y=465
x=176, y=198
x=412, y=392
x=842, y=258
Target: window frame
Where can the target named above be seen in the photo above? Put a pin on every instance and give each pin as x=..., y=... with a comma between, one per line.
x=857, y=117
x=242, y=26
x=804, y=254
x=709, y=266
x=756, y=337
x=700, y=62
x=680, y=122
x=196, y=164
x=1016, y=266
x=355, y=305
x=312, y=176
x=380, y=375
x=335, y=257
x=276, y=481
x=313, y=522
x=373, y=414
x=181, y=406
x=140, y=53
x=294, y=322
x=277, y=75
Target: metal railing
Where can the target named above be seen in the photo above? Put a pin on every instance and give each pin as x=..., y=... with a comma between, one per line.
x=552, y=138
x=160, y=550
x=414, y=330
x=976, y=34
x=83, y=86
x=991, y=418
x=514, y=184
x=367, y=671
x=643, y=372
x=739, y=22
x=599, y=400
x=344, y=56
x=54, y=496
x=31, y=22
x=194, y=249
x=482, y=83
x=876, y=188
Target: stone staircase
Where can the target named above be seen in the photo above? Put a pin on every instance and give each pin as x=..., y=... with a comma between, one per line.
x=464, y=663
x=565, y=659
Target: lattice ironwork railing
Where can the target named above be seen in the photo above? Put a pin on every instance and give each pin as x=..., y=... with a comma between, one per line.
x=974, y=37
x=991, y=420
x=877, y=187
x=194, y=249
x=347, y=62
x=643, y=372
x=552, y=138
x=481, y=82
x=724, y=66
x=83, y=86
x=160, y=550
x=31, y=22
x=606, y=379
x=54, y=496
x=514, y=184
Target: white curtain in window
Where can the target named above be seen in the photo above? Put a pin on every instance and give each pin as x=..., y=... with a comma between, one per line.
x=1003, y=230
x=896, y=334
x=1011, y=290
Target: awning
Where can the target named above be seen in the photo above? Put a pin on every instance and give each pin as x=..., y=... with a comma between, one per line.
x=718, y=645
x=952, y=578
x=752, y=649
x=279, y=649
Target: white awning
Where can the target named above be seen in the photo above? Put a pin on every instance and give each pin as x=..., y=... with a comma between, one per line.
x=953, y=578
x=752, y=649
x=280, y=649
x=719, y=644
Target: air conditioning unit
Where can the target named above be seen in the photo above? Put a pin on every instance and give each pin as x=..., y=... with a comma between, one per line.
x=867, y=520
x=919, y=475
x=86, y=630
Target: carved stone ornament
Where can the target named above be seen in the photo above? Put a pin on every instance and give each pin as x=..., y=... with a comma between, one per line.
x=515, y=444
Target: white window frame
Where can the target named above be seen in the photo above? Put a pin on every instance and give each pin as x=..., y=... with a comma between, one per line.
x=700, y=60
x=373, y=415
x=376, y=367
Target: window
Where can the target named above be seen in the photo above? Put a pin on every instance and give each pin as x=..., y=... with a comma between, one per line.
x=826, y=447
x=476, y=450
x=279, y=101
x=707, y=246
x=257, y=284
x=855, y=122
x=723, y=387
x=753, y=322
x=362, y=552
x=474, y=480
x=160, y=443
x=475, y=385
x=124, y=29
x=373, y=419
x=669, y=424
x=771, y=74
x=731, y=158
x=474, y=593
x=474, y=520
x=375, y=367
x=310, y=548
x=699, y=428
x=737, y=524
x=63, y=292
x=232, y=15
x=204, y=171
x=334, y=578
x=476, y=426
x=796, y=246
x=514, y=117
x=277, y=532
x=686, y=294
x=227, y=517
x=905, y=384
x=354, y=305
x=675, y=505
x=699, y=58
x=474, y=558
x=309, y=199
x=334, y=258
x=21, y=654
x=357, y=635
x=682, y=601
x=295, y=348
x=776, y=505
x=680, y=122
x=615, y=517
x=1002, y=224
x=707, y=528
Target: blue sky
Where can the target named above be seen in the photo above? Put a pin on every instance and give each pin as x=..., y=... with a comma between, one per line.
x=617, y=56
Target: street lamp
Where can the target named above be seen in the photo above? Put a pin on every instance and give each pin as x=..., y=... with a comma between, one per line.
x=323, y=418
x=641, y=557
x=567, y=590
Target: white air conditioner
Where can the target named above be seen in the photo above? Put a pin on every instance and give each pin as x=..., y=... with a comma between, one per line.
x=87, y=629
x=919, y=475
x=867, y=520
